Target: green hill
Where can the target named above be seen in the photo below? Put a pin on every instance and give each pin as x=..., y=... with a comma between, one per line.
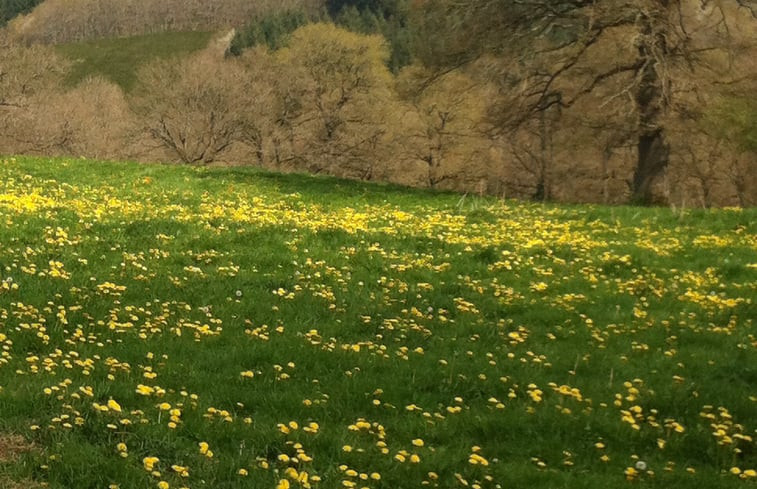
x=174, y=327
x=118, y=59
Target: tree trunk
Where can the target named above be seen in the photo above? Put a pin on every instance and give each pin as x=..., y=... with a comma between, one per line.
x=653, y=153
x=546, y=156
x=606, y=155
x=651, y=102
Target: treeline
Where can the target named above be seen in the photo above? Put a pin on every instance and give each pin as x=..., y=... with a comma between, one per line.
x=62, y=21
x=389, y=18
x=640, y=103
x=327, y=103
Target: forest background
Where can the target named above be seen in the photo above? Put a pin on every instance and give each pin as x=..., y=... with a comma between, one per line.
x=607, y=101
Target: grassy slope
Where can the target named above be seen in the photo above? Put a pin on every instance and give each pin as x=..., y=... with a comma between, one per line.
x=119, y=59
x=430, y=310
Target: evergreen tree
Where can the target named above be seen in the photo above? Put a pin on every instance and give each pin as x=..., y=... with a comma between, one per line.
x=389, y=18
x=11, y=8
x=272, y=30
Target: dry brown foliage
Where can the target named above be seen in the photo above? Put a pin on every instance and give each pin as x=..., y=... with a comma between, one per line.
x=28, y=76
x=338, y=99
x=191, y=107
x=443, y=133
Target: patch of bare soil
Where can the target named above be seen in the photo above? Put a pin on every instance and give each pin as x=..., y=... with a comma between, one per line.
x=6, y=483
x=11, y=448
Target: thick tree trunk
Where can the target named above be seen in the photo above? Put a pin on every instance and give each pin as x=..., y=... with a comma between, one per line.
x=653, y=153
x=651, y=102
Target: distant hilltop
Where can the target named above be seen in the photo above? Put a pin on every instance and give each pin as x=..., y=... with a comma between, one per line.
x=62, y=21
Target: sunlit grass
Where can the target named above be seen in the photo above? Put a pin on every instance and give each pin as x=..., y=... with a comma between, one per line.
x=177, y=327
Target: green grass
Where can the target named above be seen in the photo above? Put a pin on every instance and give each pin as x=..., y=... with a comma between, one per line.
x=118, y=59
x=451, y=320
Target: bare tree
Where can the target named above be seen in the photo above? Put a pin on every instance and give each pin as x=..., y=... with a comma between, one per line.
x=264, y=107
x=632, y=56
x=27, y=77
x=191, y=107
x=26, y=71
x=444, y=127
x=102, y=126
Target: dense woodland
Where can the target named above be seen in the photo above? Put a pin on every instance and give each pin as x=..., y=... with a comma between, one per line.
x=616, y=101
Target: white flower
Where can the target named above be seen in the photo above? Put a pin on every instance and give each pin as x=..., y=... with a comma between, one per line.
x=641, y=466
x=239, y=293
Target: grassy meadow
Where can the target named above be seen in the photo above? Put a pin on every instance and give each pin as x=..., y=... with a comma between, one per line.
x=173, y=327
x=117, y=59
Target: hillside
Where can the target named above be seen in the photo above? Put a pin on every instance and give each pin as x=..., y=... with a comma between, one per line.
x=171, y=327
x=64, y=21
x=446, y=95
x=119, y=59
